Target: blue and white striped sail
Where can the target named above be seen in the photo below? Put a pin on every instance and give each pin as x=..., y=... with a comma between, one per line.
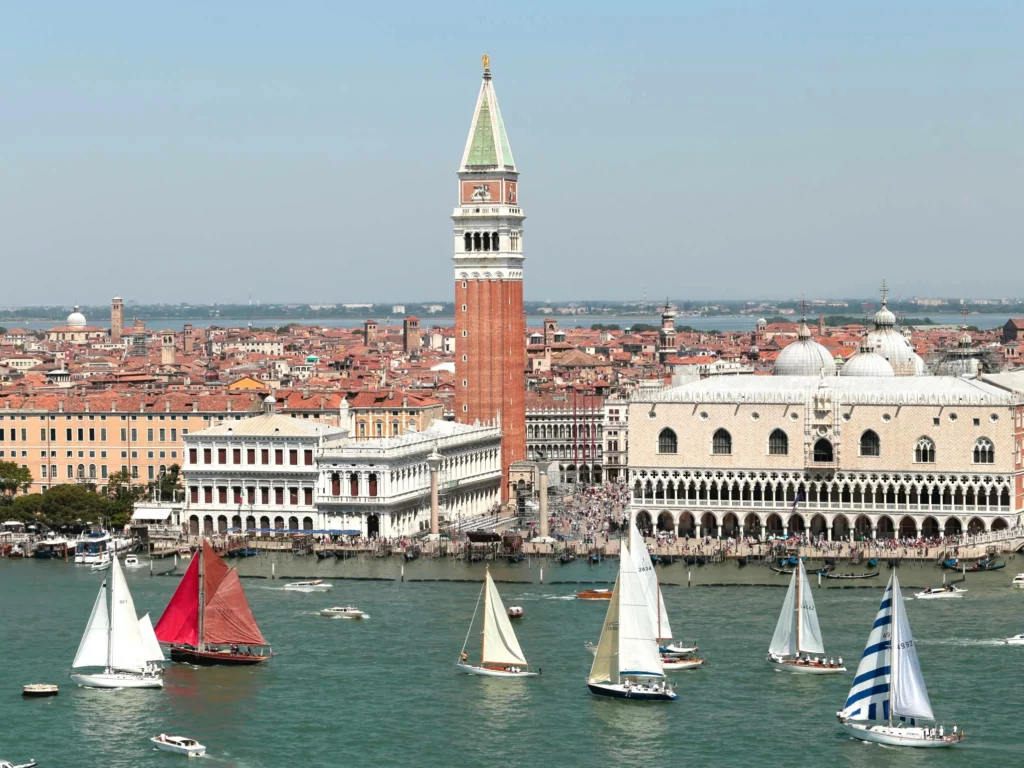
x=869, y=695
x=909, y=693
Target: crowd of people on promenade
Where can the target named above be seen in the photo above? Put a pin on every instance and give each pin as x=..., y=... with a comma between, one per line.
x=587, y=511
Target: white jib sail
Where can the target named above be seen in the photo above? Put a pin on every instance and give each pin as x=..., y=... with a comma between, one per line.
x=649, y=577
x=784, y=640
x=606, y=661
x=909, y=693
x=500, y=643
x=153, y=650
x=810, y=640
x=868, y=698
x=638, y=648
x=126, y=648
x=92, y=650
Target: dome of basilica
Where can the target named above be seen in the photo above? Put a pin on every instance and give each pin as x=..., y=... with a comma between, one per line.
x=76, y=319
x=867, y=362
x=804, y=357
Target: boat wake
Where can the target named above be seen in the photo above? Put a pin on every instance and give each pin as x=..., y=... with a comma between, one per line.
x=960, y=641
x=560, y=597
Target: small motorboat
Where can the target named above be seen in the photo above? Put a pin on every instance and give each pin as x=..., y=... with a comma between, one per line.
x=594, y=594
x=7, y=764
x=132, y=561
x=344, y=612
x=950, y=564
x=515, y=612
x=936, y=593
x=39, y=690
x=595, y=558
x=181, y=745
x=185, y=553
x=1015, y=640
x=317, y=585
x=102, y=565
x=679, y=663
x=873, y=562
x=1018, y=581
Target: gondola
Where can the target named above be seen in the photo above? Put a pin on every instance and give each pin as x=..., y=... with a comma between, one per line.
x=983, y=565
x=851, y=576
x=324, y=554
x=566, y=557
x=516, y=558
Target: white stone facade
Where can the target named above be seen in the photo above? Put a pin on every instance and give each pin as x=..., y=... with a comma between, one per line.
x=872, y=456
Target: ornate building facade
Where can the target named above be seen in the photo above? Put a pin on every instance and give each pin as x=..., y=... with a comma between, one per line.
x=490, y=328
x=836, y=456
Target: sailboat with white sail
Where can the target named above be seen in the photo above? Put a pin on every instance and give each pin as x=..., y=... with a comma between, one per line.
x=798, y=632
x=674, y=657
x=500, y=653
x=888, y=697
x=627, y=664
x=114, y=641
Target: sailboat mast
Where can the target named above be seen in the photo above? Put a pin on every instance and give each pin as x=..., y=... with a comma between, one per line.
x=483, y=629
x=894, y=584
x=799, y=600
x=110, y=625
x=202, y=594
x=659, y=613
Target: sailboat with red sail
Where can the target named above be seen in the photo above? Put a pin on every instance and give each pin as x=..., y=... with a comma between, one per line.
x=208, y=620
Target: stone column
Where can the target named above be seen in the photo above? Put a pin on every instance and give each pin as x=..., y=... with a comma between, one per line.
x=434, y=463
x=542, y=490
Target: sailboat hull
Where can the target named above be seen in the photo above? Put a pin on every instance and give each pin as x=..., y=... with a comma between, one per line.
x=804, y=669
x=485, y=672
x=898, y=737
x=679, y=663
x=117, y=680
x=619, y=691
x=215, y=658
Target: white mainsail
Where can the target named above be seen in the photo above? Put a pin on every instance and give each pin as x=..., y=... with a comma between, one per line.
x=127, y=651
x=500, y=645
x=784, y=640
x=153, y=650
x=638, y=647
x=868, y=698
x=909, y=693
x=93, y=648
x=606, y=661
x=652, y=589
x=809, y=636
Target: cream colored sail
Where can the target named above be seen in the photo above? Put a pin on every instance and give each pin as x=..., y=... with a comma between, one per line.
x=500, y=643
x=127, y=651
x=637, y=644
x=649, y=577
x=93, y=649
x=606, y=661
x=153, y=650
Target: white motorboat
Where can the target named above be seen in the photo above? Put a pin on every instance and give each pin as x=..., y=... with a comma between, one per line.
x=132, y=562
x=945, y=592
x=317, y=585
x=181, y=745
x=500, y=652
x=627, y=664
x=344, y=612
x=798, y=634
x=7, y=764
x=1015, y=640
x=1018, y=581
x=102, y=564
x=93, y=547
x=117, y=641
x=888, y=698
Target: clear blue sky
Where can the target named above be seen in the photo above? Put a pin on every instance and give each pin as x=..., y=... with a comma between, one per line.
x=203, y=151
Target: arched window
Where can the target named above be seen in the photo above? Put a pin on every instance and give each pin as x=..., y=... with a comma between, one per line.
x=721, y=443
x=823, y=450
x=476, y=241
x=469, y=241
x=353, y=484
x=870, y=445
x=924, y=451
x=494, y=242
x=778, y=443
x=667, y=442
x=372, y=482
x=984, y=451
x=487, y=241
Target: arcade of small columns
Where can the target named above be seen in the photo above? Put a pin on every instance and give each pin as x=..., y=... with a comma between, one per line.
x=866, y=505
x=565, y=444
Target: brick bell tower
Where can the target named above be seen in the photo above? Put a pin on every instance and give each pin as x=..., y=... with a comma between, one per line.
x=490, y=329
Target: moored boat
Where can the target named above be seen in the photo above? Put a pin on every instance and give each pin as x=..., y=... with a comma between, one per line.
x=500, y=652
x=208, y=620
x=181, y=745
x=888, y=696
x=798, y=634
x=851, y=576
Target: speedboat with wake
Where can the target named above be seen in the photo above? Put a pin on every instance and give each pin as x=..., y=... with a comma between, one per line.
x=1018, y=581
x=1015, y=640
x=181, y=745
x=798, y=632
x=344, y=612
x=888, y=702
x=500, y=652
x=946, y=591
x=317, y=585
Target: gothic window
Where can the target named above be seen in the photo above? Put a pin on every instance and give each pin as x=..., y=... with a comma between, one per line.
x=984, y=451
x=870, y=445
x=667, y=441
x=469, y=243
x=487, y=241
x=476, y=241
x=494, y=242
x=823, y=450
x=924, y=451
x=778, y=443
x=721, y=443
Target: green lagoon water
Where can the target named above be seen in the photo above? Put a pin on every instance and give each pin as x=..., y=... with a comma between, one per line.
x=384, y=692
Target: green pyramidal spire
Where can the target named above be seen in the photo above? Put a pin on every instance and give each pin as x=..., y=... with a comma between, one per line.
x=487, y=146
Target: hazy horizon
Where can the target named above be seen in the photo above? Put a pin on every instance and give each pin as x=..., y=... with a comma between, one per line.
x=218, y=152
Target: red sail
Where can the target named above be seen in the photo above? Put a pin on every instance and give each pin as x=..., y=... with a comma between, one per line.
x=180, y=622
x=214, y=571
x=228, y=619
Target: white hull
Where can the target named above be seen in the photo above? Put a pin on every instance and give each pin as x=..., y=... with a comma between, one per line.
x=194, y=749
x=351, y=613
x=679, y=664
x=800, y=669
x=484, y=672
x=678, y=650
x=117, y=680
x=1015, y=640
x=307, y=587
x=897, y=737
x=943, y=595
x=100, y=566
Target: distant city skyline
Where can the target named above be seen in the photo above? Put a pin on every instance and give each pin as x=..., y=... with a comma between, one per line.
x=744, y=153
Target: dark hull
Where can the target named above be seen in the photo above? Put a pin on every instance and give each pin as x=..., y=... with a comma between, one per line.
x=215, y=658
x=633, y=695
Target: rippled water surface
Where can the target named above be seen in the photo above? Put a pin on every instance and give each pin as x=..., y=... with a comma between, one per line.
x=384, y=691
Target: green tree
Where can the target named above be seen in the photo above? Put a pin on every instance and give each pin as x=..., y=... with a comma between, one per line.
x=122, y=496
x=25, y=507
x=13, y=478
x=65, y=504
x=168, y=485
